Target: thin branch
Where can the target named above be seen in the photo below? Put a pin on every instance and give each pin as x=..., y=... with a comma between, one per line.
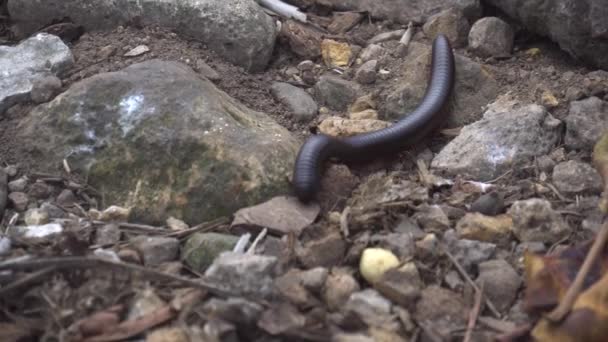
x=574, y=290
x=91, y=262
x=464, y=274
x=473, y=315
x=26, y=280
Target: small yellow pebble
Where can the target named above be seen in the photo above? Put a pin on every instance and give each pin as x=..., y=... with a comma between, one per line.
x=375, y=262
x=533, y=52
x=549, y=100
x=335, y=54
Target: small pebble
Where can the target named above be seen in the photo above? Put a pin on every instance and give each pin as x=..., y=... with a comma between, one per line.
x=34, y=217
x=490, y=204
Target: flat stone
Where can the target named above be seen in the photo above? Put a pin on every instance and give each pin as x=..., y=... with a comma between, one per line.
x=370, y=307
x=18, y=200
x=201, y=249
x=42, y=55
x=432, y=218
x=299, y=102
x=372, y=51
x=452, y=23
x=17, y=185
x=500, y=282
x=534, y=220
x=342, y=22
x=335, y=92
x=155, y=249
x=572, y=177
x=35, y=217
x=244, y=274
x=238, y=30
x=366, y=74
x=66, y=198
x=491, y=37
x=401, y=285
x=586, y=121
x=469, y=253
x=207, y=71
x=491, y=204
x=338, y=288
x=500, y=141
x=107, y=234
x=475, y=226
x=327, y=251
x=442, y=307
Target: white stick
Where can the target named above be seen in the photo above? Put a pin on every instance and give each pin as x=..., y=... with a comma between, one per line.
x=407, y=36
x=283, y=9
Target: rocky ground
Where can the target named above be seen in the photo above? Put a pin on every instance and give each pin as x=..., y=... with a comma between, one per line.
x=146, y=157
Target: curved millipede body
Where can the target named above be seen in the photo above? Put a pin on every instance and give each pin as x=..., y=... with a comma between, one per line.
x=410, y=129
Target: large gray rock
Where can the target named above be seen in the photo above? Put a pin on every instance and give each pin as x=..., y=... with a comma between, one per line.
x=299, y=102
x=158, y=138
x=585, y=123
x=450, y=22
x=503, y=139
x=578, y=26
x=238, y=30
x=475, y=87
x=403, y=11
x=21, y=66
x=491, y=36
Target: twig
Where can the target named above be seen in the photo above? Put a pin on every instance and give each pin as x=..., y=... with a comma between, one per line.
x=565, y=305
x=344, y=221
x=407, y=36
x=497, y=325
x=134, y=327
x=203, y=227
x=557, y=193
x=500, y=177
x=283, y=9
x=26, y=281
x=90, y=262
x=257, y=240
x=473, y=315
x=464, y=274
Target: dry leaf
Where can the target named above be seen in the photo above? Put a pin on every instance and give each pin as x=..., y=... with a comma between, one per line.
x=600, y=161
x=547, y=280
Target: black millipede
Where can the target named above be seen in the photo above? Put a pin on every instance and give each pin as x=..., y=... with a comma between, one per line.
x=405, y=132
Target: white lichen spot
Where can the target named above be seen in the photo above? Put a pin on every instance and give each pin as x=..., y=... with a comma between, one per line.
x=130, y=111
x=498, y=155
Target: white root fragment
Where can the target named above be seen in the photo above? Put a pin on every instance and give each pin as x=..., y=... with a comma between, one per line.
x=283, y=9
x=407, y=36
x=257, y=240
x=241, y=243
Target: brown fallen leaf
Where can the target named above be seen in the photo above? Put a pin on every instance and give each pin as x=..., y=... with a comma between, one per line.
x=130, y=328
x=600, y=161
x=549, y=277
x=281, y=215
x=588, y=320
x=13, y=332
x=101, y=321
